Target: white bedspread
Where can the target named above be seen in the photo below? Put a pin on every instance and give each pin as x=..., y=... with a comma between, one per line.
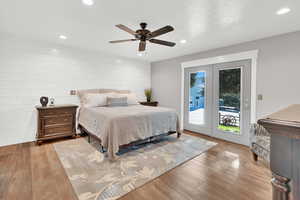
x=117, y=126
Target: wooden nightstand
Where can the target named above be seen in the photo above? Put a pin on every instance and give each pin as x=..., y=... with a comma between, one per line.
x=56, y=122
x=152, y=103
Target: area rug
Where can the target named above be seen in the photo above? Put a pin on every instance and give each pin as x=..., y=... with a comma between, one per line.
x=94, y=177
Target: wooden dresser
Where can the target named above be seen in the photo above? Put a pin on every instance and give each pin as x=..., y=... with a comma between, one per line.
x=56, y=122
x=152, y=103
x=284, y=127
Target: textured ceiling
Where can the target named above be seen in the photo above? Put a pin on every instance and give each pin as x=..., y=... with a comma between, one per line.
x=205, y=24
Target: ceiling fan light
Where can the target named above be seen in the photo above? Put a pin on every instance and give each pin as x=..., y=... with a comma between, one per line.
x=143, y=35
x=141, y=53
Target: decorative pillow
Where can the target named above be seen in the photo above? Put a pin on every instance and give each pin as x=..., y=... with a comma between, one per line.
x=117, y=101
x=94, y=99
x=131, y=98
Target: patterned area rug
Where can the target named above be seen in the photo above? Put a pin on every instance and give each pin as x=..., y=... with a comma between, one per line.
x=94, y=177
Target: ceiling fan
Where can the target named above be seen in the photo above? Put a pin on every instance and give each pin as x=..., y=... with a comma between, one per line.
x=143, y=35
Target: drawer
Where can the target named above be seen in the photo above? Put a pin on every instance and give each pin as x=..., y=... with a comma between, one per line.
x=61, y=111
x=56, y=130
x=66, y=119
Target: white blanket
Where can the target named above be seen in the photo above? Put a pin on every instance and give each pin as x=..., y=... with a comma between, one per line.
x=117, y=126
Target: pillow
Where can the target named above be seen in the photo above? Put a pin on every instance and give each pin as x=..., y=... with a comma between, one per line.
x=131, y=98
x=95, y=99
x=117, y=101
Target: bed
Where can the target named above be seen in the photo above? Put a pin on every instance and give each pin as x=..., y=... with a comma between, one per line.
x=117, y=126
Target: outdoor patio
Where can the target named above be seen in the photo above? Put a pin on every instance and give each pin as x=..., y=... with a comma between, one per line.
x=197, y=117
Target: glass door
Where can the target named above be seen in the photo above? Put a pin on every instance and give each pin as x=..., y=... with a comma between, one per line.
x=217, y=100
x=232, y=101
x=198, y=99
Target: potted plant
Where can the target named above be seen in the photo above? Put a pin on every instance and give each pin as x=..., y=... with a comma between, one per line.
x=148, y=94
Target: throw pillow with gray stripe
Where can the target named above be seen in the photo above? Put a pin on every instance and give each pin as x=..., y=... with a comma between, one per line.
x=117, y=101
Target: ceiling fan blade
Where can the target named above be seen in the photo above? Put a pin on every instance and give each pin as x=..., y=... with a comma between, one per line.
x=161, y=31
x=118, y=41
x=162, y=42
x=142, y=46
x=125, y=28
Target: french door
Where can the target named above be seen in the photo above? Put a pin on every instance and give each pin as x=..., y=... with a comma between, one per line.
x=217, y=100
x=198, y=94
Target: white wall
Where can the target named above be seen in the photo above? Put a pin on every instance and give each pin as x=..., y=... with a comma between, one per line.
x=30, y=69
x=278, y=73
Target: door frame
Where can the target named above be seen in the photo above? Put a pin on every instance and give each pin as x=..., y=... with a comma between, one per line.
x=252, y=55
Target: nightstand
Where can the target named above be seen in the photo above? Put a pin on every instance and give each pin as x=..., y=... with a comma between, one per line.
x=152, y=103
x=56, y=122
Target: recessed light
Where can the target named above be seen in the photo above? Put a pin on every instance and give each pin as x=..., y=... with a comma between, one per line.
x=182, y=41
x=88, y=2
x=54, y=50
x=140, y=54
x=63, y=37
x=283, y=11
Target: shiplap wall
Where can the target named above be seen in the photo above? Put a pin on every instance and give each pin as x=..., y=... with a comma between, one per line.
x=30, y=69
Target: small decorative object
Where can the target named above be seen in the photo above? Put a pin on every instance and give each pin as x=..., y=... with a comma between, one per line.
x=148, y=94
x=52, y=101
x=44, y=101
x=73, y=92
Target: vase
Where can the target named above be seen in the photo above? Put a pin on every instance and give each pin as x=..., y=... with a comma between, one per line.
x=44, y=101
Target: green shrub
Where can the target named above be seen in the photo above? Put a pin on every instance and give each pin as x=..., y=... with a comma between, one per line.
x=230, y=99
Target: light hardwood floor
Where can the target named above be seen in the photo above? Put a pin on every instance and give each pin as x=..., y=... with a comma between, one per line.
x=226, y=171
